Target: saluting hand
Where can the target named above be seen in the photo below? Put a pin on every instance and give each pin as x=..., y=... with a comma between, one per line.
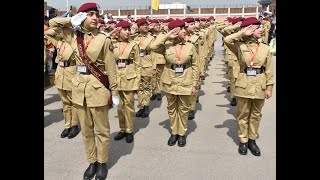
x=173, y=33
x=248, y=31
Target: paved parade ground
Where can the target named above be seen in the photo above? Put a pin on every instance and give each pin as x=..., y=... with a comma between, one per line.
x=211, y=152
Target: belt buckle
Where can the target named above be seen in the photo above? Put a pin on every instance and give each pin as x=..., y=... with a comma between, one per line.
x=82, y=69
x=179, y=68
x=142, y=52
x=251, y=71
x=61, y=63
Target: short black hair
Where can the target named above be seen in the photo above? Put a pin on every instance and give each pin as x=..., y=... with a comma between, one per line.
x=52, y=10
x=46, y=18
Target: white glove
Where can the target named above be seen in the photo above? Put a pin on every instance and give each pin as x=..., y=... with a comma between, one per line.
x=78, y=19
x=115, y=101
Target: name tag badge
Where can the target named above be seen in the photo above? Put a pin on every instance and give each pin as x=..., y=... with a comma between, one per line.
x=251, y=72
x=61, y=63
x=121, y=65
x=142, y=52
x=82, y=68
x=179, y=69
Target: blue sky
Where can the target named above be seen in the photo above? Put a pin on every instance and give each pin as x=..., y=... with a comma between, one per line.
x=123, y=4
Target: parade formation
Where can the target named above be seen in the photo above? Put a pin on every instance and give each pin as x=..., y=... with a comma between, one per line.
x=106, y=63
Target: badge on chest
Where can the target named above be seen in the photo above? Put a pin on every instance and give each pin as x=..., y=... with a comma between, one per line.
x=251, y=71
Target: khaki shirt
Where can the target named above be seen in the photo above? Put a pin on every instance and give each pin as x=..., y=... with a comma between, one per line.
x=159, y=58
x=198, y=42
x=172, y=82
x=128, y=78
x=100, y=51
x=252, y=87
x=147, y=62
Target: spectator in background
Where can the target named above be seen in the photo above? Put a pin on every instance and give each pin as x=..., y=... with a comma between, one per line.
x=53, y=12
x=129, y=18
x=273, y=44
x=49, y=50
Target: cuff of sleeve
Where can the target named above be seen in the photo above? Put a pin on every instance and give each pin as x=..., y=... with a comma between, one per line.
x=195, y=84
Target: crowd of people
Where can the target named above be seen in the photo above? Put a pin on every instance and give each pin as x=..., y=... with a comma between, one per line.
x=103, y=64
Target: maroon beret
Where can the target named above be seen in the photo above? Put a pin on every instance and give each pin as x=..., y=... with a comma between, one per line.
x=196, y=19
x=202, y=19
x=153, y=21
x=188, y=20
x=249, y=21
x=176, y=23
x=141, y=21
x=111, y=22
x=211, y=17
x=88, y=6
x=101, y=21
x=235, y=20
x=165, y=21
x=170, y=19
x=123, y=24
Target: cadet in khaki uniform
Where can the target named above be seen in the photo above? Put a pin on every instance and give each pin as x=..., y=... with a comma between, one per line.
x=148, y=69
x=254, y=82
x=154, y=26
x=266, y=28
x=128, y=79
x=232, y=60
x=179, y=78
x=198, y=42
x=65, y=72
x=88, y=93
x=203, y=57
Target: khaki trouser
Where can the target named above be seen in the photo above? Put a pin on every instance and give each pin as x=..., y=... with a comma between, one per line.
x=95, y=118
x=69, y=109
x=126, y=111
x=232, y=86
x=178, y=110
x=248, y=118
x=145, y=91
x=157, y=89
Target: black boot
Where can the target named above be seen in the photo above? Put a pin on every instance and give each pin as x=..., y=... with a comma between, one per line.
x=253, y=147
x=228, y=89
x=159, y=98
x=153, y=97
x=191, y=115
x=202, y=77
x=139, y=113
x=65, y=133
x=243, y=148
x=182, y=141
x=73, y=132
x=146, y=112
x=129, y=137
x=120, y=136
x=197, y=101
x=173, y=139
x=233, y=102
x=102, y=171
x=90, y=171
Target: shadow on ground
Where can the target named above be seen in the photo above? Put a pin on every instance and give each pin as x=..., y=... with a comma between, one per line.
x=231, y=124
x=118, y=149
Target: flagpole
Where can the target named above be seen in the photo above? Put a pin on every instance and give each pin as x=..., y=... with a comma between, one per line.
x=67, y=5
